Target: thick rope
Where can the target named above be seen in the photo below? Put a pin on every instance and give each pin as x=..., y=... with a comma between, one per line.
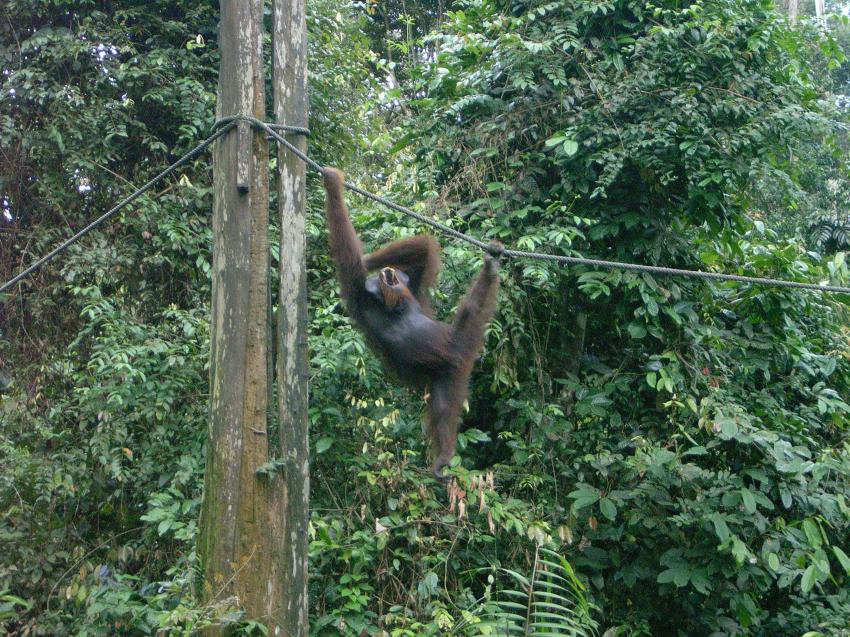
x=536, y=255
x=611, y=265
x=218, y=132
x=294, y=130
x=698, y=274
x=225, y=124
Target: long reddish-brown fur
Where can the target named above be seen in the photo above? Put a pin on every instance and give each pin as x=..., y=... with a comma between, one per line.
x=397, y=319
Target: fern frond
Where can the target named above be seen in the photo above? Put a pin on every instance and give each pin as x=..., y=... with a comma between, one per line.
x=550, y=602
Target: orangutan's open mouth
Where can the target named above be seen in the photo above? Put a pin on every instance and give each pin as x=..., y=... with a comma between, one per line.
x=389, y=276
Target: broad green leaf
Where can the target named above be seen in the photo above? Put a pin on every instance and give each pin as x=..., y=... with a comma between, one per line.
x=842, y=558
x=739, y=550
x=570, y=147
x=809, y=579
x=678, y=576
x=728, y=427
x=748, y=500
x=583, y=502
x=608, y=508
x=720, y=528
x=636, y=330
x=773, y=562
x=810, y=528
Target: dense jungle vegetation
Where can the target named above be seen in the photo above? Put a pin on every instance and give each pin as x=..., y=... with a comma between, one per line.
x=682, y=444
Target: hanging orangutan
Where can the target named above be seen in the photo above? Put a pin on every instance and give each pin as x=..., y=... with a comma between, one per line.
x=386, y=293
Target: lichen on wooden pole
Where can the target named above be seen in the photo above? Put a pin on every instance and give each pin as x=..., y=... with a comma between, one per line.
x=239, y=552
x=291, y=107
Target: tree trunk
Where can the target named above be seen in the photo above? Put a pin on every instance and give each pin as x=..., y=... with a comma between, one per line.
x=291, y=106
x=793, y=8
x=576, y=349
x=238, y=552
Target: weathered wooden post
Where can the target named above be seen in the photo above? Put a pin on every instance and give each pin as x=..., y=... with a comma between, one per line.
x=291, y=107
x=239, y=550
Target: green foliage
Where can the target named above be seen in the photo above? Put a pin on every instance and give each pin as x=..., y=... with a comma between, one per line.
x=682, y=444
x=102, y=430
x=550, y=601
x=702, y=429
x=10, y=606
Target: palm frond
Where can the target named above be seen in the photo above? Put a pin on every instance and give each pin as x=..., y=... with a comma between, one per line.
x=830, y=233
x=550, y=602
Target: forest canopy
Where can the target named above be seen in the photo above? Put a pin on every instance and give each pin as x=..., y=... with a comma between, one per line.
x=672, y=452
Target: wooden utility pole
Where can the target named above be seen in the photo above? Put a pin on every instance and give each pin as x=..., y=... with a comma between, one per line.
x=291, y=106
x=239, y=549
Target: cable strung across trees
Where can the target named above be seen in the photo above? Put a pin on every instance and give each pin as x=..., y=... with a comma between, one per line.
x=226, y=124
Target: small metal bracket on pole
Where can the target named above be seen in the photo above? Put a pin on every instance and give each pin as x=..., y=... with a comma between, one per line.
x=244, y=139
